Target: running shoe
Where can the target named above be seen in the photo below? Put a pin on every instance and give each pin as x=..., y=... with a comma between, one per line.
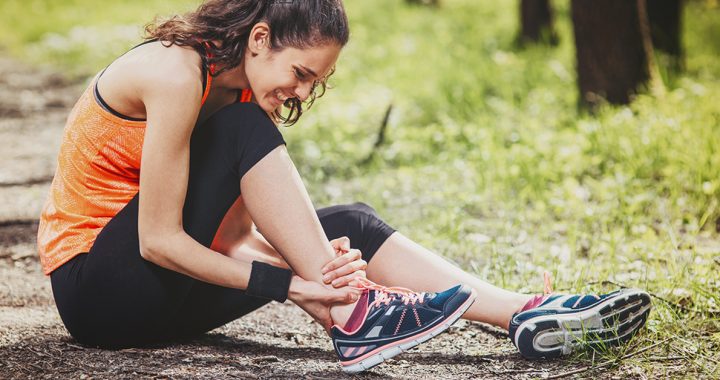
x=388, y=321
x=553, y=325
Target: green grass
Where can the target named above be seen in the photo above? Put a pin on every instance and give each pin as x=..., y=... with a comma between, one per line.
x=487, y=159
x=79, y=36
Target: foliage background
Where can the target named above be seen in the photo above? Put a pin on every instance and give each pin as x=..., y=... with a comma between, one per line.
x=487, y=160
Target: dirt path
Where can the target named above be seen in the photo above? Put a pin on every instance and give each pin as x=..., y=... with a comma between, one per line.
x=278, y=341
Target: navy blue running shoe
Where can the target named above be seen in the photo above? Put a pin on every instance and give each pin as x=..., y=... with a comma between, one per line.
x=556, y=325
x=388, y=321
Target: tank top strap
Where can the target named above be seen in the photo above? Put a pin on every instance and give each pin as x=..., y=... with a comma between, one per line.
x=245, y=96
x=211, y=67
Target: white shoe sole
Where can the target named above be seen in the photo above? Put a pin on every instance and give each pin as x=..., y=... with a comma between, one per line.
x=611, y=322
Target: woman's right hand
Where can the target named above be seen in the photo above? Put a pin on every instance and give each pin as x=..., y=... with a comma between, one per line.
x=317, y=299
x=346, y=267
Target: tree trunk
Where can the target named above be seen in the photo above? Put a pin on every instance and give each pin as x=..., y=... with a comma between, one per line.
x=614, y=50
x=664, y=17
x=536, y=22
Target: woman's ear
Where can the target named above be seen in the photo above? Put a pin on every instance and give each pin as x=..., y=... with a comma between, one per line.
x=259, y=39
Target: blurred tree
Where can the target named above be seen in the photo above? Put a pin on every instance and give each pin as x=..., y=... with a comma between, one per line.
x=536, y=22
x=613, y=47
x=665, y=18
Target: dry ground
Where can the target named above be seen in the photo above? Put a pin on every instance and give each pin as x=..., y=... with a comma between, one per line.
x=278, y=341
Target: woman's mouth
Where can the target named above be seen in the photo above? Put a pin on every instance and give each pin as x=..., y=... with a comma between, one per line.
x=280, y=97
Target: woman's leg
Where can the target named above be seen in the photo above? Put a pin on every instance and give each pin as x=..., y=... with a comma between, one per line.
x=399, y=260
x=395, y=260
x=280, y=206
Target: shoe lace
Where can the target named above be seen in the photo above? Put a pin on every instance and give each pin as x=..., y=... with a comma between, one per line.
x=547, y=281
x=386, y=294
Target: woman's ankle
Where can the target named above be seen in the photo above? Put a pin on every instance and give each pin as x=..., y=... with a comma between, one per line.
x=340, y=314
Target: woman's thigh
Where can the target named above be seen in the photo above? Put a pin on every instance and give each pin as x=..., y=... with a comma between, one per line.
x=113, y=297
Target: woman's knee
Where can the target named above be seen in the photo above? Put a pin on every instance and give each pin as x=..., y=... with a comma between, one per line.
x=360, y=223
x=241, y=132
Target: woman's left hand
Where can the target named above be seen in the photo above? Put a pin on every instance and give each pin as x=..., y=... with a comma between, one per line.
x=346, y=267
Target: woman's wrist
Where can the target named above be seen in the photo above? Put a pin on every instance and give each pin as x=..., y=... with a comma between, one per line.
x=294, y=288
x=267, y=281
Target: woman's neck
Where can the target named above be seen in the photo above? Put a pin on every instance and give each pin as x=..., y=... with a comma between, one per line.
x=233, y=79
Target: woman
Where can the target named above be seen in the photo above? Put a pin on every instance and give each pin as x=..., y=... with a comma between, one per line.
x=146, y=251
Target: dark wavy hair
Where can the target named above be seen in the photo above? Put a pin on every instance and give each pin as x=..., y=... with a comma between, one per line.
x=293, y=23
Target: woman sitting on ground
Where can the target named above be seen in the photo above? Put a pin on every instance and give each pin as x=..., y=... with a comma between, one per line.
x=147, y=251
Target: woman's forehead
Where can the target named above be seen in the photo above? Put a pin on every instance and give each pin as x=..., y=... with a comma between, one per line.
x=318, y=59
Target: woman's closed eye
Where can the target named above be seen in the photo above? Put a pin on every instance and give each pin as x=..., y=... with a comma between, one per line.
x=300, y=75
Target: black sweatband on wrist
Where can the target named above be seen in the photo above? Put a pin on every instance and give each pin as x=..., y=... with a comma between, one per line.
x=268, y=281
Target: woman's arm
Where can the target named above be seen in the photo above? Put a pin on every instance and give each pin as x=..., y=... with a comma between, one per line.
x=172, y=98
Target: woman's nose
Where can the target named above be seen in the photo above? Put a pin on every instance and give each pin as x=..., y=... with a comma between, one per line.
x=302, y=91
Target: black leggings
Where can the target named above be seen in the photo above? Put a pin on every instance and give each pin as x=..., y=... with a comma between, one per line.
x=112, y=297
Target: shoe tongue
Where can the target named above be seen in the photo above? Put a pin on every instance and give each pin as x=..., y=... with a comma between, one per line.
x=358, y=315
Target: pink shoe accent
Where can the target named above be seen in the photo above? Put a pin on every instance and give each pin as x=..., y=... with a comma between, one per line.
x=383, y=295
x=417, y=317
x=351, y=351
x=534, y=302
x=358, y=315
x=539, y=299
x=402, y=316
x=461, y=310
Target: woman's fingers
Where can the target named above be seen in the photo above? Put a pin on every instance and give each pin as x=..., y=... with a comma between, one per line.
x=340, y=261
x=349, y=279
x=347, y=295
x=349, y=263
x=341, y=245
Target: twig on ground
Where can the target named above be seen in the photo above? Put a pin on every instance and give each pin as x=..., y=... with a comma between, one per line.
x=677, y=306
x=74, y=346
x=607, y=282
x=495, y=332
x=606, y=363
x=37, y=367
x=665, y=359
x=380, y=136
x=685, y=351
x=511, y=371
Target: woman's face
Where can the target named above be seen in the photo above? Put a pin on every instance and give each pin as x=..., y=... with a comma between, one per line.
x=276, y=75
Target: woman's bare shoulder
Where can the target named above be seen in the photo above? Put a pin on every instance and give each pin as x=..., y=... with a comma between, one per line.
x=156, y=64
x=149, y=68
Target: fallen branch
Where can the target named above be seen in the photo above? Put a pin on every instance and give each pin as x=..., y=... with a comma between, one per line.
x=666, y=359
x=380, y=136
x=607, y=363
x=710, y=312
x=514, y=371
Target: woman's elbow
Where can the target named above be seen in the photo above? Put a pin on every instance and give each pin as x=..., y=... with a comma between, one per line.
x=150, y=248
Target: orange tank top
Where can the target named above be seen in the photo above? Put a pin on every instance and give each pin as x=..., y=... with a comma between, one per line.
x=97, y=174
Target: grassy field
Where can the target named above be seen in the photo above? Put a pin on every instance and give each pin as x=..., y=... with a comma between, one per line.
x=486, y=158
